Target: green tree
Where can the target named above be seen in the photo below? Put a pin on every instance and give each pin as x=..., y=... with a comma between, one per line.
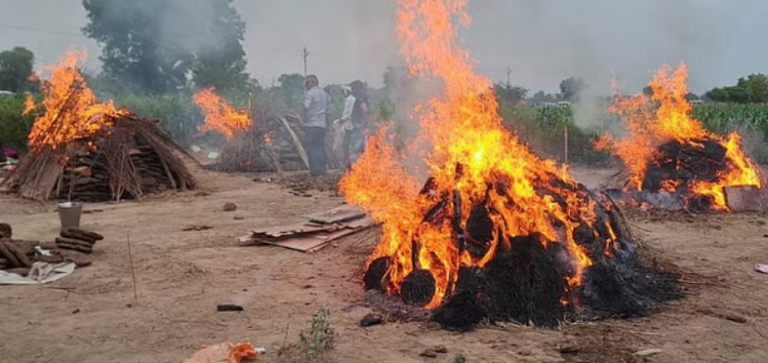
x=292, y=90
x=570, y=88
x=15, y=69
x=508, y=93
x=752, y=89
x=221, y=59
x=154, y=45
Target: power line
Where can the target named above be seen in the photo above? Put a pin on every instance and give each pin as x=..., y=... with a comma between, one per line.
x=40, y=30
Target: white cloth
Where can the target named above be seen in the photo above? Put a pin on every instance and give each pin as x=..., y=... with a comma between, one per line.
x=346, y=116
x=40, y=273
x=318, y=104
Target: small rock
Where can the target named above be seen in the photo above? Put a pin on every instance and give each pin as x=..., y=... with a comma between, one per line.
x=230, y=207
x=569, y=349
x=525, y=353
x=306, y=195
x=429, y=353
x=239, y=218
x=648, y=352
x=440, y=349
x=76, y=311
x=371, y=320
x=129, y=305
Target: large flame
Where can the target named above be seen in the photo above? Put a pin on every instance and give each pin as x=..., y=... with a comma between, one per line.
x=462, y=128
x=70, y=109
x=220, y=116
x=663, y=116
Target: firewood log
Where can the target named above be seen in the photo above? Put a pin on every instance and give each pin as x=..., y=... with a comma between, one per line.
x=72, y=241
x=67, y=246
x=23, y=271
x=5, y=252
x=84, y=232
x=20, y=256
x=68, y=234
x=48, y=245
x=5, y=230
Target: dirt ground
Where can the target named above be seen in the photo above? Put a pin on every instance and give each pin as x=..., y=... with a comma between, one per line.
x=93, y=316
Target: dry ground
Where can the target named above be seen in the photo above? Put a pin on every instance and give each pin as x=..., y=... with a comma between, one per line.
x=93, y=317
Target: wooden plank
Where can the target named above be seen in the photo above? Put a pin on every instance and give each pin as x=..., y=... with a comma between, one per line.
x=299, y=228
x=301, y=244
x=359, y=223
x=309, y=243
x=336, y=215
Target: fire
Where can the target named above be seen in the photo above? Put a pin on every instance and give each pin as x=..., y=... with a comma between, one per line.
x=219, y=115
x=69, y=107
x=665, y=116
x=474, y=162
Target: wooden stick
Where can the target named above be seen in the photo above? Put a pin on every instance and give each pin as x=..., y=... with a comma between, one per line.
x=133, y=271
x=167, y=172
x=566, y=144
x=296, y=141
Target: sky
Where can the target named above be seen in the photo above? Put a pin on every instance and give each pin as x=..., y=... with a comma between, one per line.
x=540, y=41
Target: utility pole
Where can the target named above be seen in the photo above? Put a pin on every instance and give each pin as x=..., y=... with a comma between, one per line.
x=305, y=54
x=509, y=77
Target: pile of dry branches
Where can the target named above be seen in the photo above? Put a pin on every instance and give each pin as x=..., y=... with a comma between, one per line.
x=273, y=143
x=127, y=158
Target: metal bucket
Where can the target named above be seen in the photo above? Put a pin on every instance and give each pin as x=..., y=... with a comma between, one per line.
x=69, y=214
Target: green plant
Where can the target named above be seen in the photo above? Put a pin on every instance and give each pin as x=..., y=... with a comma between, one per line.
x=459, y=358
x=14, y=127
x=321, y=336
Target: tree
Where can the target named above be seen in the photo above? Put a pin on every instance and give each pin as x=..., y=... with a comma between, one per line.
x=154, y=45
x=16, y=69
x=221, y=59
x=752, y=89
x=508, y=93
x=570, y=88
x=541, y=97
x=292, y=90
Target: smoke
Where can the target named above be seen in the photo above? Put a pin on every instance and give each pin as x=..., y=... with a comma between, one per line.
x=598, y=40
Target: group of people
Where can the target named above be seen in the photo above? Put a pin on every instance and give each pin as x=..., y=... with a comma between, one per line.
x=354, y=122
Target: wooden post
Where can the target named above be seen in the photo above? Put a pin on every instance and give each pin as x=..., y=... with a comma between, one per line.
x=566, y=144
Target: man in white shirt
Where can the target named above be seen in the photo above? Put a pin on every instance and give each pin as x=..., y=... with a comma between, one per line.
x=346, y=126
x=317, y=107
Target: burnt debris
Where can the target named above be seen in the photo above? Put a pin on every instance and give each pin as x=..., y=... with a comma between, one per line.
x=668, y=182
x=527, y=280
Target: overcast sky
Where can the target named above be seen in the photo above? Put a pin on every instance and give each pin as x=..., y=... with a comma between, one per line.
x=543, y=41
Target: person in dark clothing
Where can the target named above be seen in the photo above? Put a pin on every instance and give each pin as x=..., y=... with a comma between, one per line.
x=317, y=106
x=359, y=118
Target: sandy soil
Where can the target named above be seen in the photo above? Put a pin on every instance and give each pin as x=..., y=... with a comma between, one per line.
x=93, y=316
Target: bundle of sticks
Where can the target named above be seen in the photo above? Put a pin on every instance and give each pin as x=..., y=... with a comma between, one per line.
x=76, y=239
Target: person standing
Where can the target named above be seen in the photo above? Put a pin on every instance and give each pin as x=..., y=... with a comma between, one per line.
x=345, y=123
x=317, y=107
x=359, y=118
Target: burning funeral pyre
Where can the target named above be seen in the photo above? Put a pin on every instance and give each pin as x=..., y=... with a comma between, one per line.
x=496, y=233
x=256, y=141
x=671, y=161
x=83, y=150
